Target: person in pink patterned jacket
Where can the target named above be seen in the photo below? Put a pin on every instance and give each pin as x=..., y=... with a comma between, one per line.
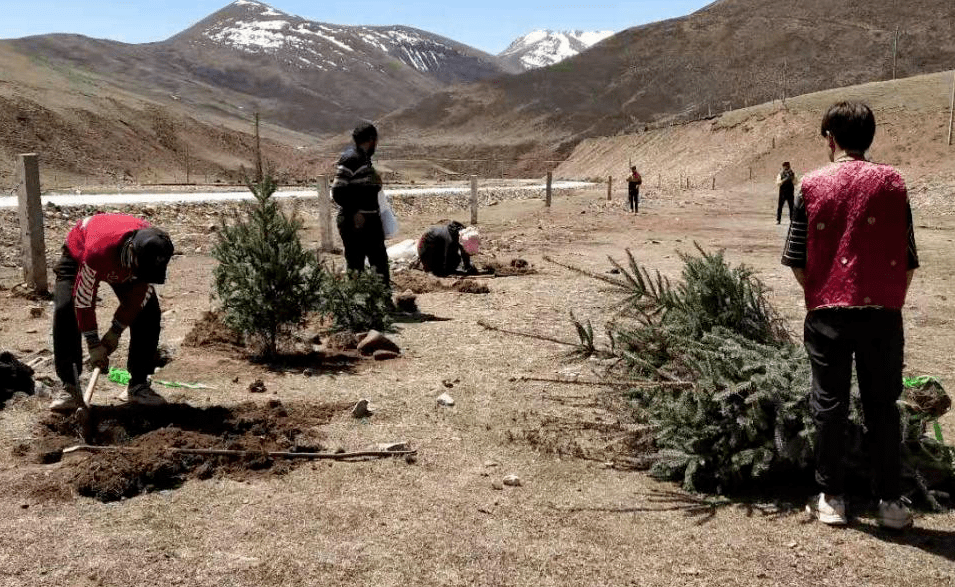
x=851, y=246
x=130, y=255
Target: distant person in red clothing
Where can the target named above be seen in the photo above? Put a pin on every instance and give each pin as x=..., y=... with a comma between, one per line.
x=130, y=255
x=851, y=246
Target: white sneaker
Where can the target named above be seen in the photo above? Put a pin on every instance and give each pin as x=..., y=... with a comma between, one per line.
x=828, y=509
x=141, y=394
x=67, y=400
x=894, y=515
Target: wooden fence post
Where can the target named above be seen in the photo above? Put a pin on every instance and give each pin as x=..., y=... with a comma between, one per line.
x=550, y=189
x=325, y=214
x=32, y=238
x=609, y=188
x=474, y=199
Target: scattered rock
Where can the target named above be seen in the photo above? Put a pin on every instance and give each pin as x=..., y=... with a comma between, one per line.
x=447, y=383
x=411, y=459
x=385, y=355
x=512, y=481
x=393, y=446
x=342, y=341
x=257, y=386
x=36, y=311
x=445, y=400
x=376, y=341
x=407, y=301
x=489, y=464
x=361, y=409
x=497, y=485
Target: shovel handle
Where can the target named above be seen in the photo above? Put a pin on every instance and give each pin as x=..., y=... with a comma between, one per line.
x=88, y=394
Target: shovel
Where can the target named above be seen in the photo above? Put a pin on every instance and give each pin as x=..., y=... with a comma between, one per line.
x=85, y=413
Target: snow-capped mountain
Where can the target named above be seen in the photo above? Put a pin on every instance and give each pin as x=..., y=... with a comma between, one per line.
x=259, y=29
x=542, y=48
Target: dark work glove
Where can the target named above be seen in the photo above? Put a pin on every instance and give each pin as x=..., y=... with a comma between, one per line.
x=111, y=340
x=99, y=356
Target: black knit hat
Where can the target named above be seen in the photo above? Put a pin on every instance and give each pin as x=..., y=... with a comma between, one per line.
x=364, y=132
x=152, y=249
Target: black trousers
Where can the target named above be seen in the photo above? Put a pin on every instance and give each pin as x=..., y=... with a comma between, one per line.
x=67, y=343
x=785, y=197
x=874, y=337
x=364, y=238
x=635, y=200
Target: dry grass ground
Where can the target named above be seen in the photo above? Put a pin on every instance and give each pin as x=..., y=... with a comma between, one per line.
x=439, y=521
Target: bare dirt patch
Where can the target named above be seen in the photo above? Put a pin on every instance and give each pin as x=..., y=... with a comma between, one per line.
x=145, y=436
x=211, y=331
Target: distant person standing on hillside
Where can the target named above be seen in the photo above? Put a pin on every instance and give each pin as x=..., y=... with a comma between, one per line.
x=634, y=181
x=355, y=190
x=786, y=181
x=851, y=246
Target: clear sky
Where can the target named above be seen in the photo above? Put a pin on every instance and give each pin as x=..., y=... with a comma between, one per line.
x=489, y=25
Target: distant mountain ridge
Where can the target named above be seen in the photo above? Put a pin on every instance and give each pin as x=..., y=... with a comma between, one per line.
x=308, y=76
x=727, y=55
x=541, y=48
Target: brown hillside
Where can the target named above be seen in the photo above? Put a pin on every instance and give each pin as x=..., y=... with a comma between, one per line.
x=86, y=129
x=731, y=54
x=912, y=116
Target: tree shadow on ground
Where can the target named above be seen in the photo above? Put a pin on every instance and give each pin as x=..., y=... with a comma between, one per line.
x=417, y=318
x=937, y=542
x=703, y=508
x=317, y=362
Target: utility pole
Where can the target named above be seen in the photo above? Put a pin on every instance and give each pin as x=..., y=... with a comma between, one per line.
x=258, y=151
x=895, y=52
x=951, y=112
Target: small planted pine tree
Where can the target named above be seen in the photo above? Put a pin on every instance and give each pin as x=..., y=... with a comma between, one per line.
x=357, y=301
x=266, y=281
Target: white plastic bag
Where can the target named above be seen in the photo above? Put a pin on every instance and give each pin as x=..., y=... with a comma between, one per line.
x=404, y=252
x=389, y=223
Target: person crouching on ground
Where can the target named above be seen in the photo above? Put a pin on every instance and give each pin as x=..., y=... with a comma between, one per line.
x=851, y=246
x=130, y=255
x=355, y=190
x=441, y=251
x=634, y=181
x=786, y=181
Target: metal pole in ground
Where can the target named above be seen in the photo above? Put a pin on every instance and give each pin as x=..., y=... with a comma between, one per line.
x=951, y=112
x=31, y=223
x=550, y=189
x=325, y=214
x=609, y=188
x=474, y=199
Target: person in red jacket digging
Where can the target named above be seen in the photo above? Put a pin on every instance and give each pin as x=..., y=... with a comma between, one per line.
x=130, y=255
x=851, y=246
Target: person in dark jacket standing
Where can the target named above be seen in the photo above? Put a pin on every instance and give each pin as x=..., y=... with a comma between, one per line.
x=634, y=181
x=355, y=190
x=851, y=246
x=130, y=255
x=786, y=180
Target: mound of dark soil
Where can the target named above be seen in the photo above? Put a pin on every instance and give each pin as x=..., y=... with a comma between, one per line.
x=211, y=331
x=144, y=437
x=514, y=268
x=419, y=282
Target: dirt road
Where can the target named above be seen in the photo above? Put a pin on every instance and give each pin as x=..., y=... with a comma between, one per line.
x=439, y=521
